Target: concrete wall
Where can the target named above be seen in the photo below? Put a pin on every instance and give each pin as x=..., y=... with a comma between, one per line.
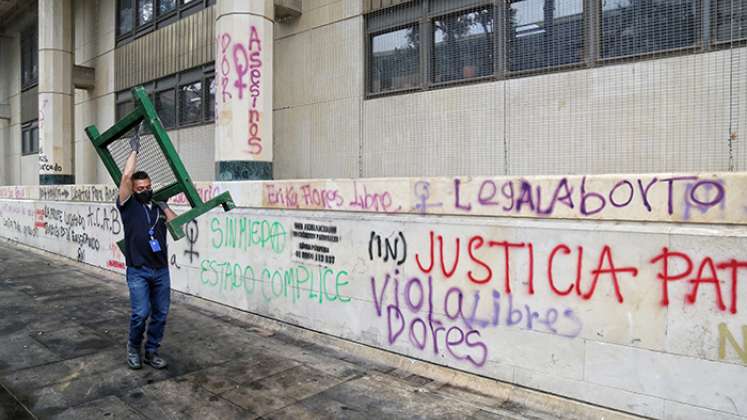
x=318, y=91
x=423, y=267
x=659, y=115
x=94, y=47
x=11, y=71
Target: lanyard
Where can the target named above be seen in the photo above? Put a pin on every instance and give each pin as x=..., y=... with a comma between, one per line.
x=147, y=216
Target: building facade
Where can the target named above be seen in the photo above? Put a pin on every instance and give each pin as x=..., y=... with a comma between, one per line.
x=374, y=88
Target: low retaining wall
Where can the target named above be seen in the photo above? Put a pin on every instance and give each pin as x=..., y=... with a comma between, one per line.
x=623, y=291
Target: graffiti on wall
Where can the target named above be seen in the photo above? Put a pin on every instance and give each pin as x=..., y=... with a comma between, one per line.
x=85, y=232
x=449, y=290
x=240, y=81
x=726, y=337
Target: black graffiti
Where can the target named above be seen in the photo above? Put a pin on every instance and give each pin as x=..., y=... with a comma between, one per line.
x=106, y=218
x=391, y=248
x=192, y=233
x=173, y=262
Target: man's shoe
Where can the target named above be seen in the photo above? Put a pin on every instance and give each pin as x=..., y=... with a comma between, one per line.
x=155, y=361
x=133, y=358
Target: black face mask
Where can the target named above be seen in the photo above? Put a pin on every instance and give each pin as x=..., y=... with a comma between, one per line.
x=144, y=197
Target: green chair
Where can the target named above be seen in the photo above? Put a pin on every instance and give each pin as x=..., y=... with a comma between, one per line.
x=157, y=157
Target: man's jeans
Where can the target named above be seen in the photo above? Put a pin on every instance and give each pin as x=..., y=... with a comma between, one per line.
x=150, y=295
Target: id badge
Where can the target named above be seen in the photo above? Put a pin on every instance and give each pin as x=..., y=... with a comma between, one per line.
x=154, y=245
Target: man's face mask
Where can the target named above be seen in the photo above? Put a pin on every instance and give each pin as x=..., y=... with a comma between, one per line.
x=144, y=196
x=143, y=192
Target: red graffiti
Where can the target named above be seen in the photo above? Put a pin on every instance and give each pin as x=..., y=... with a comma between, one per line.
x=115, y=264
x=607, y=266
x=39, y=220
x=247, y=72
x=671, y=266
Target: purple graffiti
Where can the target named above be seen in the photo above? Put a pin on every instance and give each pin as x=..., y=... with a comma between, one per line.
x=423, y=193
x=422, y=332
x=521, y=196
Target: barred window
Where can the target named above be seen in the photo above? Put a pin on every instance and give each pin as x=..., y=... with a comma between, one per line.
x=730, y=20
x=424, y=44
x=395, y=60
x=634, y=27
x=545, y=33
x=463, y=45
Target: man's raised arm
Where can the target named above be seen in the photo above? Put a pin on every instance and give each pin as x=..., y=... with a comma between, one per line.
x=125, y=184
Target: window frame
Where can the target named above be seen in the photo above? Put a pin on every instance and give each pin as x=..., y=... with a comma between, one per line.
x=158, y=20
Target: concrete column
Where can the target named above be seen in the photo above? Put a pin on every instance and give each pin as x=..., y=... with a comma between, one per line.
x=4, y=106
x=56, y=148
x=243, y=74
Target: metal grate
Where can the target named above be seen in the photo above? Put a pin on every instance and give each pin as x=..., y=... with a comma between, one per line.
x=545, y=34
x=636, y=27
x=150, y=159
x=565, y=87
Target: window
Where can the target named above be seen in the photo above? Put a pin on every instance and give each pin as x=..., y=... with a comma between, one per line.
x=165, y=101
x=137, y=17
x=166, y=6
x=125, y=104
x=180, y=100
x=395, y=60
x=545, y=33
x=125, y=15
x=30, y=137
x=190, y=103
x=634, y=27
x=730, y=20
x=29, y=57
x=463, y=45
x=210, y=98
x=144, y=12
x=422, y=44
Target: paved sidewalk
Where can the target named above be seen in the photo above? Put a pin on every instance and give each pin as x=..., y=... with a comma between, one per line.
x=63, y=329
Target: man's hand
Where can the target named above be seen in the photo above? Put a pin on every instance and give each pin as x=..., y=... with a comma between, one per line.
x=170, y=215
x=135, y=140
x=125, y=184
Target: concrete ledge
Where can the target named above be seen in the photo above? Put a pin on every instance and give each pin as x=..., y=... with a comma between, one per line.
x=690, y=198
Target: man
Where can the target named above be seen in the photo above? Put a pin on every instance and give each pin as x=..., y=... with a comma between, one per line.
x=148, y=279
